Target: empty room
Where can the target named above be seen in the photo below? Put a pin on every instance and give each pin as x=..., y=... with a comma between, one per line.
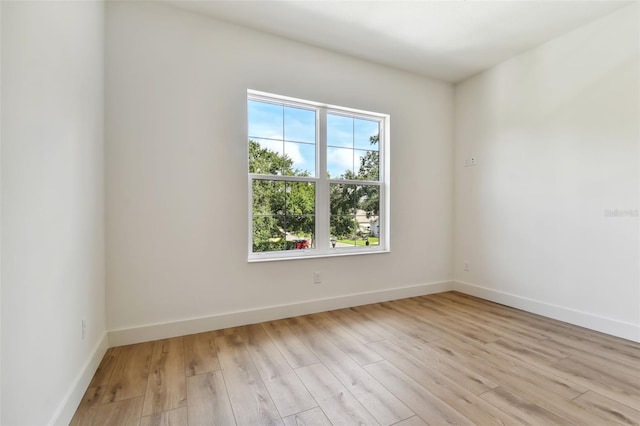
x=319, y=212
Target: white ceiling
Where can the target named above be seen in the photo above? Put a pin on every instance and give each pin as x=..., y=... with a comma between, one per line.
x=448, y=40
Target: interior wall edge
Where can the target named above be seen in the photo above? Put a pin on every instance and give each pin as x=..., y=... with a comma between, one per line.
x=69, y=404
x=233, y=319
x=593, y=322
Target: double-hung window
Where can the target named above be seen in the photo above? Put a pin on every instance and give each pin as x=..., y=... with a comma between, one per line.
x=318, y=179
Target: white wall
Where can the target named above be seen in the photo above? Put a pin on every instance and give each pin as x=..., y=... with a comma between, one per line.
x=52, y=207
x=176, y=168
x=555, y=132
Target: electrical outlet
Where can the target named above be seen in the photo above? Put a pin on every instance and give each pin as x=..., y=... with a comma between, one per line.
x=84, y=328
x=316, y=278
x=470, y=162
x=467, y=265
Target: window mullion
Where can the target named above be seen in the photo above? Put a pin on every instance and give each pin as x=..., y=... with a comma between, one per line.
x=322, y=190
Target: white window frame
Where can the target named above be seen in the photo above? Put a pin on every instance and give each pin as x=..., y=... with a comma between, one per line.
x=322, y=183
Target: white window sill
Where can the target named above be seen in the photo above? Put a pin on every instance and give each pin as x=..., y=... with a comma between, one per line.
x=272, y=257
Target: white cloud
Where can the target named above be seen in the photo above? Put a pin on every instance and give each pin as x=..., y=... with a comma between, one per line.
x=275, y=146
x=339, y=160
x=293, y=152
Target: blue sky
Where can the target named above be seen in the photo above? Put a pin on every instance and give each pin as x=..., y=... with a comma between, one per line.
x=292, y=131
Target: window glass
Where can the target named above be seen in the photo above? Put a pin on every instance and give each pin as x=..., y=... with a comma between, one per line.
x=295, y=210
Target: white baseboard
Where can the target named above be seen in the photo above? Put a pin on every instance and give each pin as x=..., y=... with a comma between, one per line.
x=232, y=319
x=72, y=398
x=602, y=324
x=166, y=330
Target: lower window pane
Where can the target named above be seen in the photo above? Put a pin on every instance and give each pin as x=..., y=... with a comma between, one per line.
x=268, y=233
x=300, y=232
x=368, y=229
x=355, y=215
x=343, y=231
x=268, y=197
x=368, y=216
x=283, y=215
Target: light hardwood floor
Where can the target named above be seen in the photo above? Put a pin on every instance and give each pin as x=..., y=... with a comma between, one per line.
x=440, y=359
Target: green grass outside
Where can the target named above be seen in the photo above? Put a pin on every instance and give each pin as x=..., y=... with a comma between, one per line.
x=372, y=241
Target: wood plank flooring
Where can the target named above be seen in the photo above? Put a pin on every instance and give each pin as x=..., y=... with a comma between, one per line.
x=441, y=359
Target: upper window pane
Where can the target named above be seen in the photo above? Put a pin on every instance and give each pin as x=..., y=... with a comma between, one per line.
x=365, y=134
x=303, y=158
x=352, y=148
x=282, y=139
x=299, y=125
x=266, y=120
x=339, y=162
x=266, y=157
x=367, y=165
x=339, y=131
